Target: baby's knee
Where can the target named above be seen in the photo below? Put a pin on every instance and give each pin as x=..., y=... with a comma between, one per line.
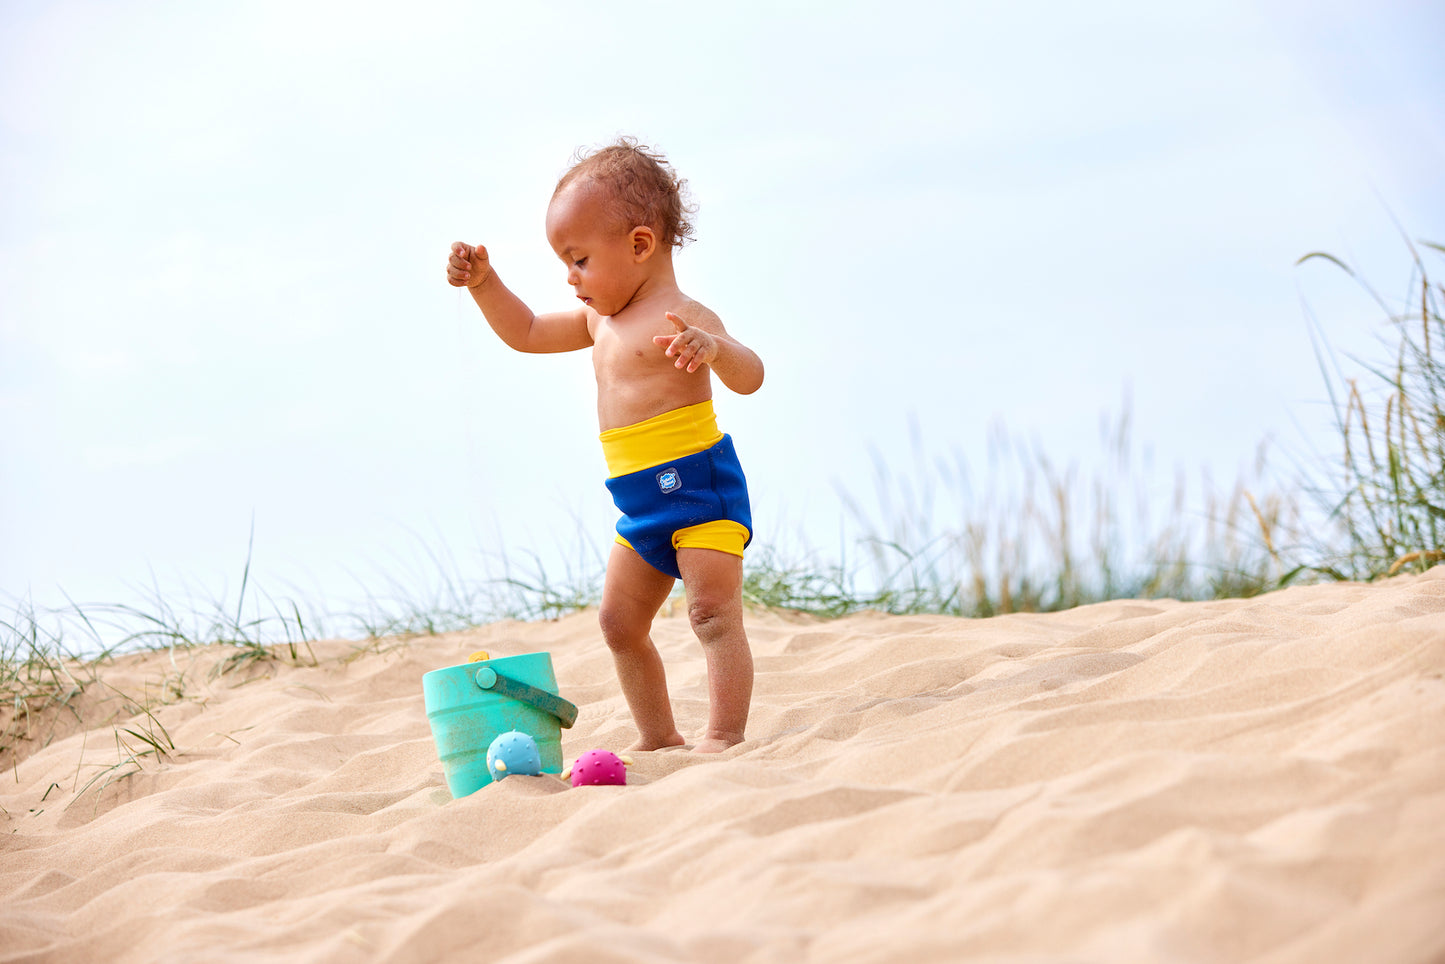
x=621, y=626
x=714, y=617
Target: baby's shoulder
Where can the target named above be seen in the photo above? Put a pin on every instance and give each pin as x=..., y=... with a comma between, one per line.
x=698, y=314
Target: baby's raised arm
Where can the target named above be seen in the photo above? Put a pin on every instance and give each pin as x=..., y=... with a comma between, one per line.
x=515, y=323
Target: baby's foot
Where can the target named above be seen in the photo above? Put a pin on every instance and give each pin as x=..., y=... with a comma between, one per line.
x=642, y=746
x=714, y=744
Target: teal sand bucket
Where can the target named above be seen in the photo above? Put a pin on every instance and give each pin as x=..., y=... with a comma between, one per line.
x=470, y=705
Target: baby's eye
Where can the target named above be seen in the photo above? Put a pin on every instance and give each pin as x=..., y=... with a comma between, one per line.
x=580, y=262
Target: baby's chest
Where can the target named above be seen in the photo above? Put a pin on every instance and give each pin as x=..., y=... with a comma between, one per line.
x=627, y=345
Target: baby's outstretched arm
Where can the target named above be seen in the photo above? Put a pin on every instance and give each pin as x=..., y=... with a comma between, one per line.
x=470, y=268
x=736, y=365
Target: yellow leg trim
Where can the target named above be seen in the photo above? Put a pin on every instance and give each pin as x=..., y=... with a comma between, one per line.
x=724, y=535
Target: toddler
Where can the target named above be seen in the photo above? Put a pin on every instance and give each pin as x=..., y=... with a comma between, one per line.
x=614, y=220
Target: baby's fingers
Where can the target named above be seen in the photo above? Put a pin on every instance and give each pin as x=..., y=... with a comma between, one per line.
x=687, y=356
x=673, y=345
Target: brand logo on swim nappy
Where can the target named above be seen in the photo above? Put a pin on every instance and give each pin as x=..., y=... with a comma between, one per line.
x=668, y=480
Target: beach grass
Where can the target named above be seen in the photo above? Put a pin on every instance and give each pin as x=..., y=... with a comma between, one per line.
x=1048, y=539
x=443, y=595
x=1040, y=536
x=1386, y=494
x=39, y=682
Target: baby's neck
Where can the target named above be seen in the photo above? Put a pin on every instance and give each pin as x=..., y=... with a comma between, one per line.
x=660, y=284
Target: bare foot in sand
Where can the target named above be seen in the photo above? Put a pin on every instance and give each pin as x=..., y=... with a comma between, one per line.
x=714, y=744
x=642, y=746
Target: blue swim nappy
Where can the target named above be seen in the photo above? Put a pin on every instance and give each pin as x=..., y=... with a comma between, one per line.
x=656, y=502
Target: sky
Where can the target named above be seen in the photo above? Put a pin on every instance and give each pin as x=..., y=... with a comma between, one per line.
x=223, y=231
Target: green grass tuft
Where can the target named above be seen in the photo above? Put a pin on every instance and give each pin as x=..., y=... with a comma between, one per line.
x=1386, y=495
x=40, y=683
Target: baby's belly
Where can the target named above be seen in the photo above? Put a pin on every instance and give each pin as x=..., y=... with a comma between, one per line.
x=628, y=398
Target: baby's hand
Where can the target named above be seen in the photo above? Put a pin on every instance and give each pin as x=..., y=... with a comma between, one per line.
x=468, y=266
x=692, y=346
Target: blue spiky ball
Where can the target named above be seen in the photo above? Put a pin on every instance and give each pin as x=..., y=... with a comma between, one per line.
x=513, y=753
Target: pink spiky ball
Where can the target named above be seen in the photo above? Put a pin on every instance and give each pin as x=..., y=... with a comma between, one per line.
x=599, y=768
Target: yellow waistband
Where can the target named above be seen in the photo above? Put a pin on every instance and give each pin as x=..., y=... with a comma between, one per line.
x=671, y=435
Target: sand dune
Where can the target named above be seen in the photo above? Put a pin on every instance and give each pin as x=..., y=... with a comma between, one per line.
x=1248, y=780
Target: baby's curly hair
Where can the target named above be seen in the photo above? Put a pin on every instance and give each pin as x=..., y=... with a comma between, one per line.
x=641, y=188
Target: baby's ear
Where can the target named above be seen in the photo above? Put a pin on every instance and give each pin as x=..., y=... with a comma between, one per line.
x=644, y=243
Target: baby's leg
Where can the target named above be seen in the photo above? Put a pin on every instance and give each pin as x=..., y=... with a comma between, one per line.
x=714, y=582
x=631, y=596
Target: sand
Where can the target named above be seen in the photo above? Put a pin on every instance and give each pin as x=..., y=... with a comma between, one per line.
x=1246, y=780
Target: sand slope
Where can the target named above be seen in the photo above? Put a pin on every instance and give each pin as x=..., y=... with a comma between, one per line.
x=1250, y=780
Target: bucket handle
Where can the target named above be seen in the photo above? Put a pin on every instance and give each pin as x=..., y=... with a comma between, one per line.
x=566, y=712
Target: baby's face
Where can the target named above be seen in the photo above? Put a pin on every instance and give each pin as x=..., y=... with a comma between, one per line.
x=600, y=259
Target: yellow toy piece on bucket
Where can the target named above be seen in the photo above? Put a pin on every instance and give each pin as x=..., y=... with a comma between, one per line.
x=479, y=656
